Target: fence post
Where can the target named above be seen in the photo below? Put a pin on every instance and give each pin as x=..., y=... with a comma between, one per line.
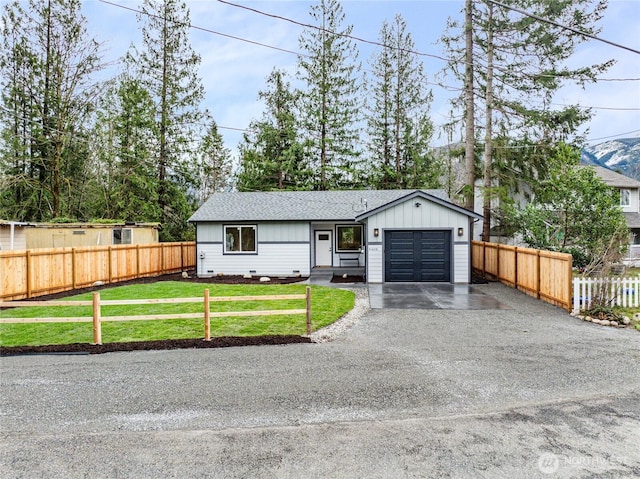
x=207, y=317
x=569, y=282
x=73, y=268
x=29, y=268
x=97, y=327
x=308, y=310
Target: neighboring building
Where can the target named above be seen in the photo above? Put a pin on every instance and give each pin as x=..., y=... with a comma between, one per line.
x=629, y=202
x=13, y=235
x=60, y=235
x=396, y=235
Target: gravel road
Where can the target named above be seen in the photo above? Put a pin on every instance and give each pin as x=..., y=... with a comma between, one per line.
x=527, y=392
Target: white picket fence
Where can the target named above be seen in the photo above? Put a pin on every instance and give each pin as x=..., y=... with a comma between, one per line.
x=624, y=292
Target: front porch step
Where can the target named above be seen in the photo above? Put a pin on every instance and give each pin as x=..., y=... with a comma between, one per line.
x=337, y=271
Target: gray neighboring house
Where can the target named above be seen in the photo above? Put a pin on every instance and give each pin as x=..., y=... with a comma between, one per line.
x=395, y=235
x=629, y=202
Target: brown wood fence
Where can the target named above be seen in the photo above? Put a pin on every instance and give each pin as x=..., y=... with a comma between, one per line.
x=96, y=318
x=546, y=275
x=36, y=272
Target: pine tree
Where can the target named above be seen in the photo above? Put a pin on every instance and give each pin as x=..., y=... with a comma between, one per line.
x=214, y=164
x=519, y=64
x=167, y=67
x=272, y=156
x=47, y=63
x=399, y=125
x=124, y=135
x=329, y=102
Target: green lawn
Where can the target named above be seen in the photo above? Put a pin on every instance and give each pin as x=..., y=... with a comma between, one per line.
x=327, y=305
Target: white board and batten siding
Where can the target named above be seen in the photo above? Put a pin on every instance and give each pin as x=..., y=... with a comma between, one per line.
x=408, y=216
x=283, y=250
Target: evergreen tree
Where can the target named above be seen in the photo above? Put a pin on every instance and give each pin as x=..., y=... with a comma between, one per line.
x=124, y=136
x=214, y=164
x=399, y=125
x=167, y=67
x=329, y=102
x=272, y=156
x=46, y=65
x=519, y=64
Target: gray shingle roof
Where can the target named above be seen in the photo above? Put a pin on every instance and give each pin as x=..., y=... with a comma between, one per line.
x=614, y=179
x=298, y=205
x=633, y=220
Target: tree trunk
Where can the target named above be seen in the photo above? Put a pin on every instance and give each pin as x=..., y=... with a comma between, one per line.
x=488, y=147
x=469, y=107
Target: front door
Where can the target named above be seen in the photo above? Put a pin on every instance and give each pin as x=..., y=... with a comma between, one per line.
x=323, y=248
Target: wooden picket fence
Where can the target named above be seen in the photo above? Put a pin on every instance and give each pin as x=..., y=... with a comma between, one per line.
x=617, y=291
x=546, y=275
x=36, y=272
x=97, y=318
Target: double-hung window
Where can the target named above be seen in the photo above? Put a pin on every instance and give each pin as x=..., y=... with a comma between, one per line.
x=240, y=239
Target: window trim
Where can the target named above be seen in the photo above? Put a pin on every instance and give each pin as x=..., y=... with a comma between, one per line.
x=623, y=195
x=240, y=226
x=122, y=230
x=337, y=234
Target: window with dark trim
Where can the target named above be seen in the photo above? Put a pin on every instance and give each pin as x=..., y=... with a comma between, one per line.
x=349, y=238
x=240, y=239
x=122, y=236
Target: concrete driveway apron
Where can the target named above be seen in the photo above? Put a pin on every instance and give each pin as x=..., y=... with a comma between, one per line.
x=430, y=296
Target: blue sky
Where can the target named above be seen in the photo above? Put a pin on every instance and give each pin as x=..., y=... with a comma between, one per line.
x=233, y=71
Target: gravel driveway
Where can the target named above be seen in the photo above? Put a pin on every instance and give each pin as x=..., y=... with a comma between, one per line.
x=525, y=392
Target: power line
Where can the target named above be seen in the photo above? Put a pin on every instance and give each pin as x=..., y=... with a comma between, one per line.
x=345, y=35
x=565, y=27
x=613, y=136
x=207, y=30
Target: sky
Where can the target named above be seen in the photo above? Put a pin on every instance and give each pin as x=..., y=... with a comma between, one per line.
x=234, y=71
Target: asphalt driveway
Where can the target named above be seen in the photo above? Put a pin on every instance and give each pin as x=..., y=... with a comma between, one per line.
x=521, y=392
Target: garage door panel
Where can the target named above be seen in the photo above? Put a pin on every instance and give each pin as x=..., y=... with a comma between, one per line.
x=418, y=256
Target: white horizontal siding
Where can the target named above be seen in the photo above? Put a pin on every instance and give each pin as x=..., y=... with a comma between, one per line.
x=286, y=231
x=209, y=232
x=461, y=263
x=272, y=260
x=281, y=232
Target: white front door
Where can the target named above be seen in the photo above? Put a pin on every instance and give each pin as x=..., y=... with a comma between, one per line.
x=323, y=248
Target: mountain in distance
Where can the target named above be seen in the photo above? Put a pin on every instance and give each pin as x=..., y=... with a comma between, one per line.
x=621, y=155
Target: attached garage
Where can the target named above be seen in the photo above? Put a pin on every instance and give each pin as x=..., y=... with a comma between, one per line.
x=420, y=237
x=417, y=256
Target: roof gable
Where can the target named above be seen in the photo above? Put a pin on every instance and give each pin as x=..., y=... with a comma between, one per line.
x=425, y=196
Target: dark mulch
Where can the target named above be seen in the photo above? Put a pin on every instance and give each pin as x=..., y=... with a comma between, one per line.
x=172, y=277
x=347, y=279
x=222, y=342
x=477, y=278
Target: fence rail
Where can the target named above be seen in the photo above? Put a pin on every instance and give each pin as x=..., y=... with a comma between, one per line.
x=32, y=273
x=546, y=275
x=96, y=318
x=617, y=291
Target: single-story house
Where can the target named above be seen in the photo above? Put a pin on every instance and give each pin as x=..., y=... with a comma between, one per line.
x=396, y=235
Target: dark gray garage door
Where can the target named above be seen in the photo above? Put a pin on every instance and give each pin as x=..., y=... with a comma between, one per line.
x=417, y=256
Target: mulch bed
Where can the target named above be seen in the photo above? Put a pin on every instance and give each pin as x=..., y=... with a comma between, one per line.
x=222, y=342
x=197, y=343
